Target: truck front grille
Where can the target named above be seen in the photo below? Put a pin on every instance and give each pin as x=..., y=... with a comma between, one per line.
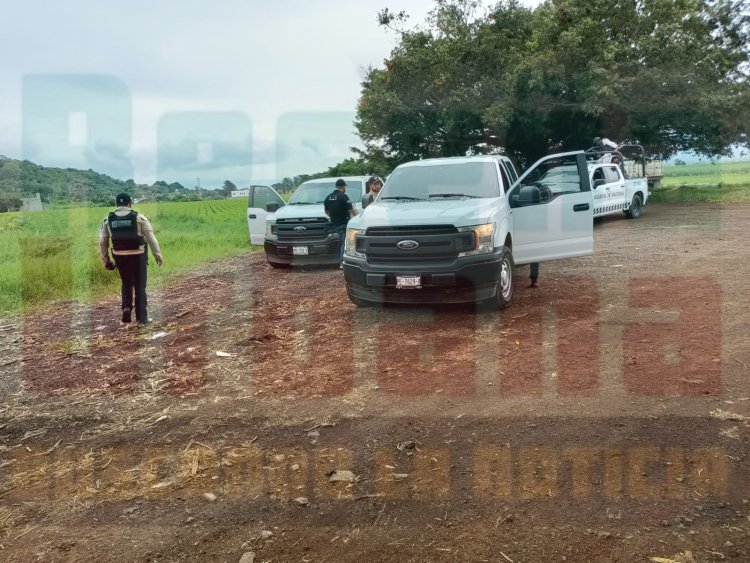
x=315, y=228
x=435, y=244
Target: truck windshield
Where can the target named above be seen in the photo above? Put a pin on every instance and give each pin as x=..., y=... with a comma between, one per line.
x=315, y=192
x=441, y=181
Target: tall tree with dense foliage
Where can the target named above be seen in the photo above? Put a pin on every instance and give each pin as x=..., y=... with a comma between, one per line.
x=671, y=75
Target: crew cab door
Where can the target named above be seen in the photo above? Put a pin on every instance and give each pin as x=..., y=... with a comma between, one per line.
x=552, y=210
x=258, y=208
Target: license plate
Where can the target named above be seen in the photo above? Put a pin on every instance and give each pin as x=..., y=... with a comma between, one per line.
x=300, y=251
x=408, y=282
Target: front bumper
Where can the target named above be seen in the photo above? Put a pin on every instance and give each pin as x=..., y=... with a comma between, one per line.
x=467, y=280
x=320, y=252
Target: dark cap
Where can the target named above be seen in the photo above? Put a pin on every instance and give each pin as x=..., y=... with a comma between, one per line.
x=340, y=183
x=123, y=199
x=374, y=179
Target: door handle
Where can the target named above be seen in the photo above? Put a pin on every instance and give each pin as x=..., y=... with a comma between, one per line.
x=581, y=207
x=252, y=216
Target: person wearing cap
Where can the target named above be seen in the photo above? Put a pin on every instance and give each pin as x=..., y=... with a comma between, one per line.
x=374, y=185
x=129, y=232
x=339, y=209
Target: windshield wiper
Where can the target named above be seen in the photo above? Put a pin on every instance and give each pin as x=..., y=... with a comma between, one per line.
x=402, y=198
x=302, y=203
x=452, y=195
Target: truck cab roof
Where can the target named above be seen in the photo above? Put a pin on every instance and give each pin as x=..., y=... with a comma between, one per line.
x=455, y=160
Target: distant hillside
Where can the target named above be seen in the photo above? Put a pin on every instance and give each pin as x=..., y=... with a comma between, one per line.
x=67, y=186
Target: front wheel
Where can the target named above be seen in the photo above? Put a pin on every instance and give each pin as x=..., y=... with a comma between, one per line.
x=635, y=207
x=504, y=292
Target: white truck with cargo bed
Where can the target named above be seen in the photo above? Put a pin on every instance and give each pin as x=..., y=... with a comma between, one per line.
x=611, y=192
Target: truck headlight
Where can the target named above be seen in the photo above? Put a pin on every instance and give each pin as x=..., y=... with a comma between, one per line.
x=350, y=243
x=483, y=241
x=271, y=229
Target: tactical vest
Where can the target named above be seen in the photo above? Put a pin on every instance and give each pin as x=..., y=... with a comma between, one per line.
x=124, y=231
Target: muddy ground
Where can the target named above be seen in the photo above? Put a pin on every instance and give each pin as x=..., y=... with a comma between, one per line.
x=603, y=417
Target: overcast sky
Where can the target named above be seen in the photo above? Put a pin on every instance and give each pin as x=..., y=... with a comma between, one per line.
x=243, y=90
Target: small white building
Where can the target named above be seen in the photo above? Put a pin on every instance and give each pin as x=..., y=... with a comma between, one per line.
x=244, y=192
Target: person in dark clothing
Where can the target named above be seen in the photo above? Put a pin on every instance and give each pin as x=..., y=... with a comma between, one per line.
x=534, y=273
x=339, y=209
x=129, y=233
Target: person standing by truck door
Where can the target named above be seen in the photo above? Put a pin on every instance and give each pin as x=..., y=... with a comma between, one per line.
x=129, y=232
x=374, y=184
x=339, y=209
x=534, y=273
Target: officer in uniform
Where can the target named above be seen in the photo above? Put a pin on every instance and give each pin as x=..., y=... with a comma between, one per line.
x=339, y=209
x=374, y=184
x=129, y=232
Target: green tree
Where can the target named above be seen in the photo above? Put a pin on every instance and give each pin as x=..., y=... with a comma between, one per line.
x=357, y=167
x=670, y=75
x=9, y=203
x=228, y=187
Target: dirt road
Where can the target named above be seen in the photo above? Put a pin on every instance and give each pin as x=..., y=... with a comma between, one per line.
x=603, y=417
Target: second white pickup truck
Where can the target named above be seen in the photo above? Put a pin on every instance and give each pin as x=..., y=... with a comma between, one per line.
x=613, y=193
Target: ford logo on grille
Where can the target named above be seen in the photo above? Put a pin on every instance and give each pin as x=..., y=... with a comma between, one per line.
x=407, y=244
x=300, y=228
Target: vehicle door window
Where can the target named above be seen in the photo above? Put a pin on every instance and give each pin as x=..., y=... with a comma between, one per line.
x=598, y=175
x=511, y=171
x=611, y=175
x=548, y=180
x=504, y=175
x=263, y=195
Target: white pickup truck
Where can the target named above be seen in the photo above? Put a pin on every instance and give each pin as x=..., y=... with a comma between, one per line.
x=452, y=230
x=299, y=232
x=615, y=194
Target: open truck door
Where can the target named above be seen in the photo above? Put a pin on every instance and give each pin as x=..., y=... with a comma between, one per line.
x=261, y=201
x=552, y=210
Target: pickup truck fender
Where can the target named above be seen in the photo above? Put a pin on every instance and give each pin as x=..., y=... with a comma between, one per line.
x=503, y=229
x=638, y=186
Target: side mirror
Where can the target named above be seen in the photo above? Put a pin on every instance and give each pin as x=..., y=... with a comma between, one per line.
x=529, y=195
x=598, y=183
x=272, y=207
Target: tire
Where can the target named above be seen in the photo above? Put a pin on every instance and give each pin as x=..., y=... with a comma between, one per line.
x=356, y=300
x=504, y=294
x=635, y=207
